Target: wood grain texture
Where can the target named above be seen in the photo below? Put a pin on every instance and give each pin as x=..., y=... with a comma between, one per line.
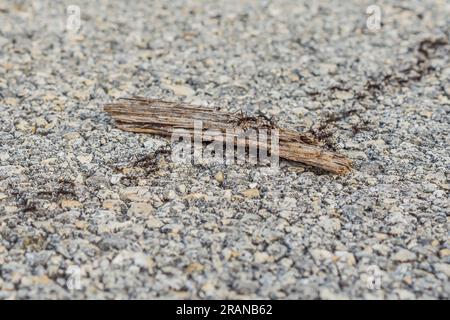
x=164, y=118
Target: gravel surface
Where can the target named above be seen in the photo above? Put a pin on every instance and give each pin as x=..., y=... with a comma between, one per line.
x=88, y=211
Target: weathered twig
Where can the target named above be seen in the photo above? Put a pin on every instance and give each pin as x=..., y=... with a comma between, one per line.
x=164, y=118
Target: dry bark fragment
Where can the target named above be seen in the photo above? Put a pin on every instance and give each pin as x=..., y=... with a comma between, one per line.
x=164, y=118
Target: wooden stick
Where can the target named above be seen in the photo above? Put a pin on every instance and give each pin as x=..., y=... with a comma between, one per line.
x=164, y=118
